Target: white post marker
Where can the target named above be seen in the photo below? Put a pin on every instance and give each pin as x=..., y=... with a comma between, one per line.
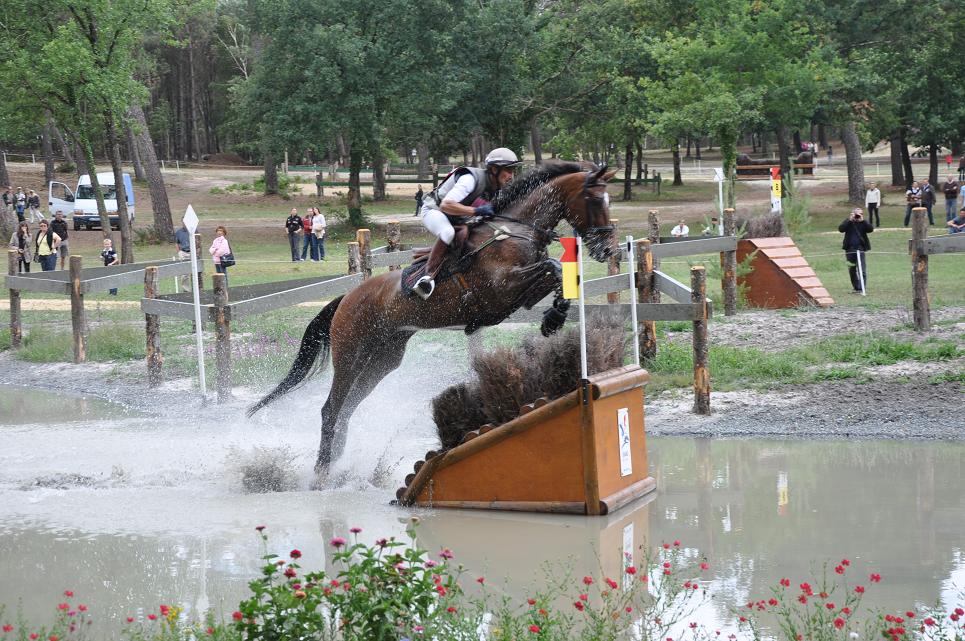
x=583, y=374
x=632, y=262
x=190, y=221
x=719, y=179
x=861, y=273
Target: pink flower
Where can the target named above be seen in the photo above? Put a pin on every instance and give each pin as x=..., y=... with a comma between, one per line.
x=259, y=528
x=445, y=554
x=704, y=566
x=295, y=554
x=959, y=612
x=236, y=615
x=210, y=631
x=845, y=562
x=290, y=573
x=534, y=629
x=337, y=542
x=430, y=563
x=381, y=542
x=355, y=530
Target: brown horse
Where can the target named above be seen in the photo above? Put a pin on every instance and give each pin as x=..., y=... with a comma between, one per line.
x=367, y=329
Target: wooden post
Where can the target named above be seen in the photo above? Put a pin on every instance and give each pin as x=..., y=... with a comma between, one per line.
x=16, y=329
x=200, y=274
x=613, y=262
x=919, y=271
x=729, y=263
x=354, y=259
x=698, y=296
x=653, y=222
x=645, y=289
x=78, y=319
x=222, y=350
x=393, y=236
x=364, y=238
x=152, y=329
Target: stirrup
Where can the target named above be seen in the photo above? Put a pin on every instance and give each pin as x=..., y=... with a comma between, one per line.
x=425, y=286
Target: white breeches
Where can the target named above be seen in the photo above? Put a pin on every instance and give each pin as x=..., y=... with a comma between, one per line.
x=437, y=222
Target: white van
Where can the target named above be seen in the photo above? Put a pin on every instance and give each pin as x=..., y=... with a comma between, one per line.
x=82, y=205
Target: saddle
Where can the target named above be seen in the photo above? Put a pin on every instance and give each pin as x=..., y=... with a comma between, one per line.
x=457, y=261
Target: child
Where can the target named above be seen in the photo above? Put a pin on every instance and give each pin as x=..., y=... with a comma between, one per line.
x=110, y=258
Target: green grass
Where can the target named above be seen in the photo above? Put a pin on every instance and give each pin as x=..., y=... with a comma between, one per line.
x=106, y=343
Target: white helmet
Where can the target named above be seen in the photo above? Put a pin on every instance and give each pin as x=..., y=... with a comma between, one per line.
x=502, y=157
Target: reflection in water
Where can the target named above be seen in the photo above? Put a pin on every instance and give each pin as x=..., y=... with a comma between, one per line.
x=21, y=406
x=174, y=530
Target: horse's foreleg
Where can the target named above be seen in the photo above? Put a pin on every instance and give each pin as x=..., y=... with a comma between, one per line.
x=543, y=278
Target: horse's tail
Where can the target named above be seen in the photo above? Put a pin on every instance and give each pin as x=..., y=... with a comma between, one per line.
x=315, y=346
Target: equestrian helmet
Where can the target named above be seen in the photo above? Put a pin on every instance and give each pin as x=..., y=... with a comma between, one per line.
x=502, y=157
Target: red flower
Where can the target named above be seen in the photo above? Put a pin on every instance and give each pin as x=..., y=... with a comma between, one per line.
x=929, y=621
x=451, y=609
x=8, y=628
x=53, y=637
x=693, y=625
x=839, y=623
x=587, y=580
x=531, y=601
x=542, y=612
x=236, y=615
x=130, y=619
x=584, y=597
x=259, y=528
x=33, y=636
x=806, y=588
x=152, y=617
x=290, y=573
x=381, y=542
x=613, y=584
x=676, y=544
x=829, y=605
x=875, y=578
x=845, y=610
x=295, y=554
x=337, y=542
x=82, y=607
x=165, y=610
x=959, y=611
x=666, y=572
x=772, y=601
x=845, y=562
x=666, y=564
x=742, y=619
x=910, y=614
x=839, y=569
x=534, y=629
x=210, y=631
x=859, y=589
x=704, y=566
x=786, y=583
x=481, y=580
x=823, y=595
x=578, y=605
x=68, y=593
x=803, y=598
x=63, y=606
x=666, y=546
x=953, y=616
x=445, y=554
x=355, y=530
x=631, y=570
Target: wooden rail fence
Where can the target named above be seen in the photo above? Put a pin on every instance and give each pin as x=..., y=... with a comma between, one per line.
x=921, y=247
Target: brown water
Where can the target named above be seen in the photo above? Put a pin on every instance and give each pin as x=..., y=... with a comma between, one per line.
x=130, y=512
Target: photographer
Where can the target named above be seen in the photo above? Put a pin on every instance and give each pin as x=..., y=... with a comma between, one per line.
x=856, y=245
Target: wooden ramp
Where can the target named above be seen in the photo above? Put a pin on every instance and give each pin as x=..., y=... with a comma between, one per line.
x=562, y=456
x=781, y=276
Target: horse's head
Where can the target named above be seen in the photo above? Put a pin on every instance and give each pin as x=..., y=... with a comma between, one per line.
x=588, y=210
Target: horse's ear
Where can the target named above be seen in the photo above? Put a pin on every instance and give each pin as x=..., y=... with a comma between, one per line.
x=609, y=175
x=599, y=173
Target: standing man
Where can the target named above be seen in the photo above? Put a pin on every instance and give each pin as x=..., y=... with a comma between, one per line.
x=293, y=225
x=20, y=202
x=829, y=155
x=307, y=236
x=59, y=226
x=928, y=199
x=8, y=201
x=856, y=245
x=33, y=204
x=182, y=247
x=912, y=200
x=950, y=189
x=418, y=201
x=872, y=201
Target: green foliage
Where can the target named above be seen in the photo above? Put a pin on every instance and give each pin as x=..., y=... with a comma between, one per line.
x=106, y=343
x=796, y=209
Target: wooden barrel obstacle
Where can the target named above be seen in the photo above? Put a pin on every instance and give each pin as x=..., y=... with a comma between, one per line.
x=584, y=453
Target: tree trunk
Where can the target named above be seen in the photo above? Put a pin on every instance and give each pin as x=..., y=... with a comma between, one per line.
x=677, y=179
x=689, y=144
x=640, y=175
x=68, y=153
x=897, y=171
x=780, y=131
x=135, y=155
x=933, y=163
x=8, y=223
x=536, y=141
x=697, y=148
x=47, y=143
x=196, y=118
x=84, y=145
x=822, y=136
x=628, y=173
x=4, y=174
x=355, y=217
x=271, y=174
x=852, y=150
x=123, y=221
x=378, y=177
x=422, y=149
x=797, y=142
x=906, y=160
x=163, y=225
x=728, y=160
x=764, y=148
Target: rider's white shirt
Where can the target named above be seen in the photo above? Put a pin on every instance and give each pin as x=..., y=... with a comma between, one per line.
x=463, y=187
x=680, y=231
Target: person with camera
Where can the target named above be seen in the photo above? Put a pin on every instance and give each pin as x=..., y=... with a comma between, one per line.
x=856, y=246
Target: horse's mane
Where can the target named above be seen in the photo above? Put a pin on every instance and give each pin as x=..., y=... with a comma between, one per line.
x=529, y=182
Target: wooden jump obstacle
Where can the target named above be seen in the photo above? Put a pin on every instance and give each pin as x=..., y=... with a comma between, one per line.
x=780, y=276
x=584, y=453
x=921, y=247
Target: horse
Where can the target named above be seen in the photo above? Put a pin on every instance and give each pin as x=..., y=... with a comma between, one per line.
x=367, y=329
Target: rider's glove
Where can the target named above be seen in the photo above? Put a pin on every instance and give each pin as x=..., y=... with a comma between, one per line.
x=484, y=211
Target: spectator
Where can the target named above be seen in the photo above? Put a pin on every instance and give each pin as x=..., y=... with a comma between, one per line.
x=948, y=160
x=318, y=231
x=961, y=168
x=680, y=231
x=293, y=224
x=912, y=200
x=307, y=238
x=872, y=201
x=59, y=227
x=950, y=189
x=110, y=258
x=955, y=225
x=220, y=247
x=713, y=229
x=9, y=201
x=21, y=203
x=20, y=240
x=182, y=248
x=928, y=199
x=46, y=243
x=418, y=201
x=856, y=245
x=33, y=204
x=830, y=153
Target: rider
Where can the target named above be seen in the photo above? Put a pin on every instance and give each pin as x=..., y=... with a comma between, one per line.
x=465, y=192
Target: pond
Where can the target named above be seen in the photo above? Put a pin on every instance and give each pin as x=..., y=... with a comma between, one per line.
x=130, y=511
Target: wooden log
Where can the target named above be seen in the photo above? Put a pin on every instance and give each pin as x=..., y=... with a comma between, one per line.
x=647, y=329
x=364, y=238
x=78, y=319
x=613, y=262
x=354, y=259
x=393, y=239
x=16, y=327
x=222, y=323
x=698, y=286
x=653, y=233
x=591, y=476
x=152, y=330
x=919, y=271
x=728, y=261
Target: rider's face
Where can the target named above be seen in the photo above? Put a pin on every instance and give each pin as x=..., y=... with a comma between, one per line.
x=504, y=177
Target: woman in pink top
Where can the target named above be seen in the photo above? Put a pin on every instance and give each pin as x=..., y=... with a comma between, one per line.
x=219, y=247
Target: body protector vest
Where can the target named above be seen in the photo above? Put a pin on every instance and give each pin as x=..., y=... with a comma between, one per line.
x=436, y=195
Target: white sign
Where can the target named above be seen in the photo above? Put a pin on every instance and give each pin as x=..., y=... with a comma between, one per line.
x=623, y=432
x=718, y=174
x=190, y=220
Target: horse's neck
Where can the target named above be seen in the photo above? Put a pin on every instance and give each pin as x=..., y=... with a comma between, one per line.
x=544, y=208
